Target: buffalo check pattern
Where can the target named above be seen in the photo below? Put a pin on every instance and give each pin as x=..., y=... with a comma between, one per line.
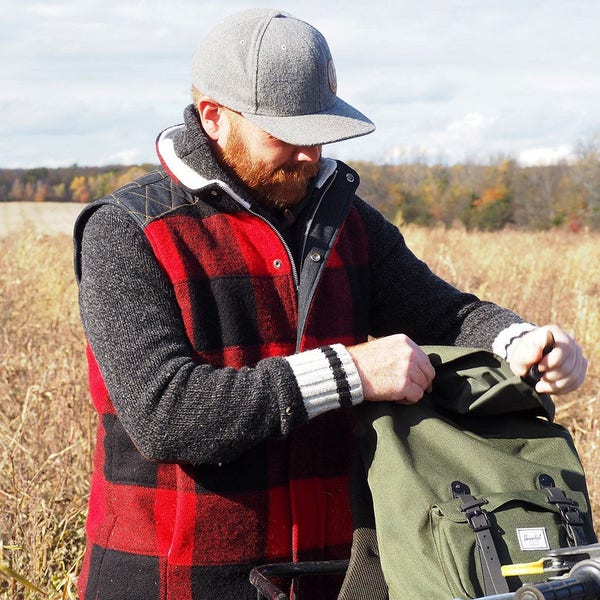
x=187, y=532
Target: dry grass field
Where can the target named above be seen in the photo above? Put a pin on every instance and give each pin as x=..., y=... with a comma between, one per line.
x=47, y=217
x=46, y=423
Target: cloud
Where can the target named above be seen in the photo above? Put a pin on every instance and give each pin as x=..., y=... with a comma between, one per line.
x=457, y=138
x=95, y=81
x=546, y=156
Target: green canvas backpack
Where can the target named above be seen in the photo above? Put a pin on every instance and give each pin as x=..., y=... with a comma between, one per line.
x=474, y=477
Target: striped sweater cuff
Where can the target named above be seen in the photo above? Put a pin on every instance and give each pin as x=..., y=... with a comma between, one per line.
x=502, y=343
x=327, y=378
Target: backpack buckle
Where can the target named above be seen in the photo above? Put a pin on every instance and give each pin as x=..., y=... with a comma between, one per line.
x=479, y=521
x=568, y=508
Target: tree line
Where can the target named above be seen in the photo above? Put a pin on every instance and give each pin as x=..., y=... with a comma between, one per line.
x=485, y=197
x=489, y=197
x=66, y=184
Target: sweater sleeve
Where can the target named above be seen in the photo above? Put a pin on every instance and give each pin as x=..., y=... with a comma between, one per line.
x=173, y=408
x=408, y=297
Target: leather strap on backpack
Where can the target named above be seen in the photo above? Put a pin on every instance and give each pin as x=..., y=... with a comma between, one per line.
x=569, y=511
x=479, y=521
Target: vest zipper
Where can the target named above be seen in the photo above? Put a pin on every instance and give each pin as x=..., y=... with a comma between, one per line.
x=285, y=245
x=302, y=314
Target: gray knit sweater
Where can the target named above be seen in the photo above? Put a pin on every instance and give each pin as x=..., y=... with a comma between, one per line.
x=135, y=329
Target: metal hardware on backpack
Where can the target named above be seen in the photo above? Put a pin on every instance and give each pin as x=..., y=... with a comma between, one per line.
x=494, y=581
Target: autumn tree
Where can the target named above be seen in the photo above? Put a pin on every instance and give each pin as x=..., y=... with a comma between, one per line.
x=79, y=189
x=586, y=175
x=490, y=211
x=17, y=191
x=41, y=191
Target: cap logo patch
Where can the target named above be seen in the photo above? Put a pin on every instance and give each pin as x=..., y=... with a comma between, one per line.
x=331, y=76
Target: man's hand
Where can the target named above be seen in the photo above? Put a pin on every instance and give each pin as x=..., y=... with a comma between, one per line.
x=393, y=368
x=562, y=369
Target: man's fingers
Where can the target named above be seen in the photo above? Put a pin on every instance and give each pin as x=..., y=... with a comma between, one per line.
x=393, y=368
x=556, y=357
x=413, y=393
x=564, y=377
x=422, y=374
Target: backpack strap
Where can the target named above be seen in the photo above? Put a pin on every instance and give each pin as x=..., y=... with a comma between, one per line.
x=569, y=511
x=479, y=521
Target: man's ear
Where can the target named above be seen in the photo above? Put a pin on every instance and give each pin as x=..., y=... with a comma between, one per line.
x=213, y=118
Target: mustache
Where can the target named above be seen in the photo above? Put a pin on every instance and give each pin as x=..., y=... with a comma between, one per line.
x=298, y=172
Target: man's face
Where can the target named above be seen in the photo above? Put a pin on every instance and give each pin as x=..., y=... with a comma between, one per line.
x=278, y=173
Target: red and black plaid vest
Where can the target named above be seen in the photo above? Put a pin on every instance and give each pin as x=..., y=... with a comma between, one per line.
x=181, y=532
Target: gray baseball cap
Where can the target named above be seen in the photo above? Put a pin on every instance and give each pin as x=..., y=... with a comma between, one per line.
x=277, y=71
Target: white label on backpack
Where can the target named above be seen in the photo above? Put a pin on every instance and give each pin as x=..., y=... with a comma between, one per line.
x=533, y=538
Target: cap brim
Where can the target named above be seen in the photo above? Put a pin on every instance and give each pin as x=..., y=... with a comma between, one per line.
x=340, y=122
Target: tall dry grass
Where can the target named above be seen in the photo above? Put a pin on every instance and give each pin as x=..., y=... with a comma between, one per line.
x=46, y=421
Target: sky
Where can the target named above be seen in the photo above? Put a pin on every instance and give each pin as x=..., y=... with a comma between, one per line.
x=93, y=82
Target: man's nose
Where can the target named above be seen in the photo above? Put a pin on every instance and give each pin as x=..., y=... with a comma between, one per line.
x=308, y=154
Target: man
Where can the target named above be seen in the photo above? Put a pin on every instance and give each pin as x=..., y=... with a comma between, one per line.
x=228, y=299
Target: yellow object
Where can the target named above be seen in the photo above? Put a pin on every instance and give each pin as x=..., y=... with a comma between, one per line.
x=532, y=568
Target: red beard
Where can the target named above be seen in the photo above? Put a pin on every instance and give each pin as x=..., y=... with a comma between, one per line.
x=282, y=187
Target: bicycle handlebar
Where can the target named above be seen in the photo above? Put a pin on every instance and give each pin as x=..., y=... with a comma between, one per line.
x=581, y=583
x=266, y=589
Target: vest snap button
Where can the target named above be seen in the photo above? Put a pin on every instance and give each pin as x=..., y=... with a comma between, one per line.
x=277, y=263
x=315, y=256
x=349, y=177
